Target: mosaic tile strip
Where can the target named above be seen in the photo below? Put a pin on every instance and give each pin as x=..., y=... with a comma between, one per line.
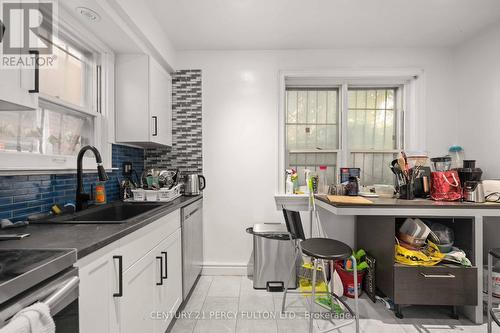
x=186, y=151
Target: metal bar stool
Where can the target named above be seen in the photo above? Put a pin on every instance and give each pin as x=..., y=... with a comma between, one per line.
x=493, y=253
x=320, y=250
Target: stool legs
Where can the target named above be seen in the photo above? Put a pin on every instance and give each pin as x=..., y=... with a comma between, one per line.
x=332, y=272
x=292, y=269
x=490, y=290
x=323, y=271
x=298, y=253
x=356, y=308
x=313, y=297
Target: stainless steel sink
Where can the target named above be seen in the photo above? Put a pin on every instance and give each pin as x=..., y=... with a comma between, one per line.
x=117, y=212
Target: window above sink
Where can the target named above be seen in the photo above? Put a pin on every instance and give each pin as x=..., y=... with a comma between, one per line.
x=74, y=107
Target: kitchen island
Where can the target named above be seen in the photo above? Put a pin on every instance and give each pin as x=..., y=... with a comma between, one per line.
x=374, y=229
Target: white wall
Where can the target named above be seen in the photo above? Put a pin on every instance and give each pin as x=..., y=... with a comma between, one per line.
x=478, y=91
x=240, y=141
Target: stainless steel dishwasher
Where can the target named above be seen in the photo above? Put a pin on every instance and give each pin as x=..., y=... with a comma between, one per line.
x=192, y=245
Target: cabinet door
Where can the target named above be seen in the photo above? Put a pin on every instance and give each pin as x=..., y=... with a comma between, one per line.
x=160, y=104
x=139, y=293
x=14, y=90
x=132, y=99
x=169, y=294
x=96, y=296
x=15, y=83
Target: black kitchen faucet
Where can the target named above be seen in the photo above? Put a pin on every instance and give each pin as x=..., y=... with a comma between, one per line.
x=81, y=197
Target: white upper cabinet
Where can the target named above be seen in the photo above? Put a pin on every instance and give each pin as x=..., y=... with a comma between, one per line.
x=18, y=89
x=143, y=101
x=18, y=86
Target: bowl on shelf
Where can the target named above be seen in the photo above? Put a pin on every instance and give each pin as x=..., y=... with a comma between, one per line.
x=445, y=248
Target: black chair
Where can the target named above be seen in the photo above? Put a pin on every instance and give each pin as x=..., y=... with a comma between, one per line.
x=319, y=249
x=492, y=254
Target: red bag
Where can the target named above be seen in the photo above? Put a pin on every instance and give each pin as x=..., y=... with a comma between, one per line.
x=445, y=186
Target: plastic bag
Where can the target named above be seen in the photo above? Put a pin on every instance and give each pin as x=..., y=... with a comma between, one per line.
x=445, y=186
x=428, y=256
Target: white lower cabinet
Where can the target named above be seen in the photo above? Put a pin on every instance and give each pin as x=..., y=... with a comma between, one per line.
x=96, y=304
x=123, y=295
x=139, y=292
x=169, y=293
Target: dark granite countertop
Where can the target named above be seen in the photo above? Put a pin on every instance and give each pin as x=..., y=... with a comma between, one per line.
x=86, y=238
x=416, y=203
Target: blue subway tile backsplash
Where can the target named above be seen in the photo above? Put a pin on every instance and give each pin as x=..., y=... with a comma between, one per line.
x=21, y=196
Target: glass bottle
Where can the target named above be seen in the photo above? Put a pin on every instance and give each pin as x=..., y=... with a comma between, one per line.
x=322, y=183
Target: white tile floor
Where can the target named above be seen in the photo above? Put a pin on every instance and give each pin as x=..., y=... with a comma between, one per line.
x=218, y=295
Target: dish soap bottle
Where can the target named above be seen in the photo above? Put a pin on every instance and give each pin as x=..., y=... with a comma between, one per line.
x=100, y=194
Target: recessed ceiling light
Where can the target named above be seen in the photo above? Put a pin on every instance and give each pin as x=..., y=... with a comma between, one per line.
x=89, y=14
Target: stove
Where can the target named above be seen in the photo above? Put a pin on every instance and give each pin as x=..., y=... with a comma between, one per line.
x=23, y=269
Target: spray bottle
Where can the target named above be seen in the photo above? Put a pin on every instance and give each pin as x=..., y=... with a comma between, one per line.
x=295, y=181
x=288, y=182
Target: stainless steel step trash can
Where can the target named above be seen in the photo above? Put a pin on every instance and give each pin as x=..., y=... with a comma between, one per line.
x=272, y=254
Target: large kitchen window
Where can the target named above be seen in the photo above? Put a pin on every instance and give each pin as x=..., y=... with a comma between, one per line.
x=69, y=113
x=344, y=126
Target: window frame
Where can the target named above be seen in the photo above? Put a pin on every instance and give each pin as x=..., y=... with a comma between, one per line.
x=16, y=163
x=409, y=80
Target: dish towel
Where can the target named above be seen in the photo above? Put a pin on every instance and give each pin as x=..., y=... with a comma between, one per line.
x=33, y=319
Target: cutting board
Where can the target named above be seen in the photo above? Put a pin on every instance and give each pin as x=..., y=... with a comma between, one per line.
x=345, y=199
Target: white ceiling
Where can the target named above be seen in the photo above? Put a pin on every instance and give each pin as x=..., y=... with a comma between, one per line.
x=106, y=29
x=321, y=24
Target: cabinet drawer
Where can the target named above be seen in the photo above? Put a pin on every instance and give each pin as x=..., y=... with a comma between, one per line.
x=439, y=285
x=136, y=245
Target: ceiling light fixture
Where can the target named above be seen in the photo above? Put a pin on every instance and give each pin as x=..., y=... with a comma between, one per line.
x=88, y=13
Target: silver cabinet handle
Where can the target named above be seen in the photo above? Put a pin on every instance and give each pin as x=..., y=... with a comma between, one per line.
x=446, y=276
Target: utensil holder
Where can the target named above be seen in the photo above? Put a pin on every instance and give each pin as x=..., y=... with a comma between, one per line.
x=407, y=191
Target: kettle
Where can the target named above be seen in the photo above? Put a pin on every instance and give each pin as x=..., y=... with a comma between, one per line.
x=194, y=184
